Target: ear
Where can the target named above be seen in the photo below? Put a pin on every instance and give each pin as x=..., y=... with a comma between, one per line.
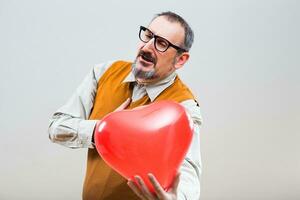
x=181, y=60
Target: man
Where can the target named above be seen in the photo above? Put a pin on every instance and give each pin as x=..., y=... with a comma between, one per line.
x=164, y=48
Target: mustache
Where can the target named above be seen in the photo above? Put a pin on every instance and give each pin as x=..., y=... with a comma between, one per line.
x=148, y=56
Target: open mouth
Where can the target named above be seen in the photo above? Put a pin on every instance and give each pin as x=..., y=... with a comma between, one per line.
x=147, y=58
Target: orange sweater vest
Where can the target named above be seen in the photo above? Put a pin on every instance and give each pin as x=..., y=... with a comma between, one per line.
x=102, y=182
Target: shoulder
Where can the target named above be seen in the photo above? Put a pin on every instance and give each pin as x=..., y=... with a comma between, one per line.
x=193, y=108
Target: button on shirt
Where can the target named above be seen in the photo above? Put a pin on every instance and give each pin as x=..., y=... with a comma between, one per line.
x=70, y=127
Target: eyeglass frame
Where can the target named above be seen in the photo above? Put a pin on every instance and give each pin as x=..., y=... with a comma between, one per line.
x=142, y=28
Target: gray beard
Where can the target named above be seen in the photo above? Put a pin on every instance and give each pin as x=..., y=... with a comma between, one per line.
x=142, y=74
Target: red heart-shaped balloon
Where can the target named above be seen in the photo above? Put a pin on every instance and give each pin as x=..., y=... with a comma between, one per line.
x=148, y=139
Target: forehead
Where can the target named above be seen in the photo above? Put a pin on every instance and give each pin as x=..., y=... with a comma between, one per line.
x=172, y=31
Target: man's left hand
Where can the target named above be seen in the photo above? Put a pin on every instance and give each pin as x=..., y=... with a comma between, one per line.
x=143, y=192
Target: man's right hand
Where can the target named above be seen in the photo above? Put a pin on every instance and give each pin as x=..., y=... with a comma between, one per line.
x=121, y=107
x=124, y=105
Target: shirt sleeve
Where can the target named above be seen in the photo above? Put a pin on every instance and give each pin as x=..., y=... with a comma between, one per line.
x=190, y=170
x=69, y=125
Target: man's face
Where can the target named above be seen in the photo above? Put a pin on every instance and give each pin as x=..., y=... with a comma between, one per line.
x=152, y=65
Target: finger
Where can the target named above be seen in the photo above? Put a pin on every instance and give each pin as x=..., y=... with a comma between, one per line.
x=175, y=183
x=157, y=187
x=144, y=188
x=135, y=189
x=124, y=105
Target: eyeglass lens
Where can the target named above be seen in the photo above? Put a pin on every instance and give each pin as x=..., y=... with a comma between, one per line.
x=160, y=43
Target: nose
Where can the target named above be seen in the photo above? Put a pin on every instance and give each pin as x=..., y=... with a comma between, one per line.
x=149, y=44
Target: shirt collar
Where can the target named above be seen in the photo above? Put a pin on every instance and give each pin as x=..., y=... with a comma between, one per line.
x=154, y=90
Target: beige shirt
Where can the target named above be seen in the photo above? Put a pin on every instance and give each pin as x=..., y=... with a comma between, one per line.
x=70, y=127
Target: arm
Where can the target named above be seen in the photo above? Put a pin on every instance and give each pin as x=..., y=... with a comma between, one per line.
x=187, y=185
x=69, y=125
x=190, y=170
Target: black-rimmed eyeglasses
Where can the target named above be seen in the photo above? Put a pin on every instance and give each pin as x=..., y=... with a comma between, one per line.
x=161, y=44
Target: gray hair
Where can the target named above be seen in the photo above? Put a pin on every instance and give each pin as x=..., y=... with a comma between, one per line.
x=188, y=32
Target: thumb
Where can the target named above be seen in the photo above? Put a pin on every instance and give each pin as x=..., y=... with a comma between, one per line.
x=124, y=105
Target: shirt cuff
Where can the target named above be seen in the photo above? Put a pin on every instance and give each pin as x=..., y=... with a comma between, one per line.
x=85, y=133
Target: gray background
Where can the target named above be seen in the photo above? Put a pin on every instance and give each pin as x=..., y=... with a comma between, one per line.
x=244, y=68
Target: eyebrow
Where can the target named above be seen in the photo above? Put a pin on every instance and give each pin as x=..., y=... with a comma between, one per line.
x=163, y=37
